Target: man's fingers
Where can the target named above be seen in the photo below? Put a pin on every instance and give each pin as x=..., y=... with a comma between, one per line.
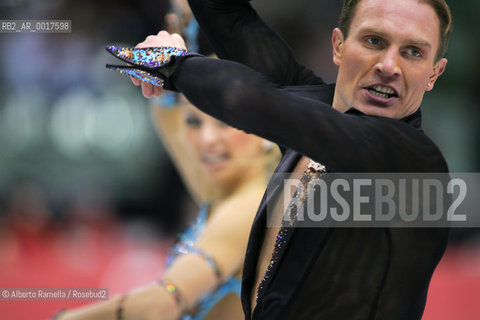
x=140, y=45
x=147, y=89
x=157, y=91
x=136, y=81
x=177, y=41
x=162, y=33
x=161, y=39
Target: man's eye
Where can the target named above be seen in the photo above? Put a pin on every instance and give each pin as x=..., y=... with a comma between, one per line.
x=193, y=122
x=373, y=41
x=415, y=53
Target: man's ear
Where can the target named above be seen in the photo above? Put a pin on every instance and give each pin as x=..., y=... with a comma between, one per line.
x=438, y=69
x=337, y=44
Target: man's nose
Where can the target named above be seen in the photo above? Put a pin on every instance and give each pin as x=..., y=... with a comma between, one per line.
x=388, y=64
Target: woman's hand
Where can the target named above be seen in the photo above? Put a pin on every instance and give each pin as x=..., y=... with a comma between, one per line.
x=162, y=39
x=145, y=303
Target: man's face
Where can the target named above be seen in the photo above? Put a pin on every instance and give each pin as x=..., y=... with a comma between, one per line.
x=387, y=62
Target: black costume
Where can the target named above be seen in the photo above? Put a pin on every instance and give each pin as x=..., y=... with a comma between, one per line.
x=322, y=273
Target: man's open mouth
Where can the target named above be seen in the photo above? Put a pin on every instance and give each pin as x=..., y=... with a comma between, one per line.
x=382, y=92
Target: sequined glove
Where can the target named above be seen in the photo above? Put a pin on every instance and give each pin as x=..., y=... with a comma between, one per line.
x=153, y=65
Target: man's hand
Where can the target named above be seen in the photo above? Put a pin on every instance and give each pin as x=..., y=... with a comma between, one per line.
x=162, y=39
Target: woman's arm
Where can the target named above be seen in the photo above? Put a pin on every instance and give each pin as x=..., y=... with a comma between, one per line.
x=139, y=304
x=169, y=124
x=224, y=239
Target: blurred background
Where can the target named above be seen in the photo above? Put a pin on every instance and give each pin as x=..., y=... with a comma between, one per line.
x=88, y=195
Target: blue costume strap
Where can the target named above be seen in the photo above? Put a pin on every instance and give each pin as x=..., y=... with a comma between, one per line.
x=167, y=100
x=191, y=34
x=208, y=301
x=186, y=245
x=208, y=258
x=189, y=237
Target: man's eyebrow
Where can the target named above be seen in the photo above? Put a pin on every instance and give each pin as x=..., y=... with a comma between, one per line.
x=373, y=30
x=420, y=43
x=416, y=42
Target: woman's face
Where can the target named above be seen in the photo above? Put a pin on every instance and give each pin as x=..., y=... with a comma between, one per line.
x=228, y=155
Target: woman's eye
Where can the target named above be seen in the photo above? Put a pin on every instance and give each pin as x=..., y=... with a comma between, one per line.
x=193, y=122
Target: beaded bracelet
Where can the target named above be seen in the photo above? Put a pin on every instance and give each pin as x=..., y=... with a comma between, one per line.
x=172, y=289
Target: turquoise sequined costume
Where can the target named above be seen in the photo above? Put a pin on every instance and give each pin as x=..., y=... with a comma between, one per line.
x=186, y=244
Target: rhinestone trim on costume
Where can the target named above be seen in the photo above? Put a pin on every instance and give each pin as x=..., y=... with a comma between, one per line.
x=141, y=75
x=154, y=57
x=145, y=62
x=313, y=169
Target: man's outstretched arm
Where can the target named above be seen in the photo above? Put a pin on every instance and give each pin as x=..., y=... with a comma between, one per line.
x=242, y=98
x=237, y=33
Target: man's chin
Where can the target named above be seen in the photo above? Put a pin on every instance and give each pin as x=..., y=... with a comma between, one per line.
x=377, y=110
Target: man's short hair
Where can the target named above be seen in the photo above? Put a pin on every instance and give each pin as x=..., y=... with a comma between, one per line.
x=441, y=9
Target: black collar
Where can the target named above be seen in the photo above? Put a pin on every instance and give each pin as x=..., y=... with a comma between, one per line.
x=325, y=93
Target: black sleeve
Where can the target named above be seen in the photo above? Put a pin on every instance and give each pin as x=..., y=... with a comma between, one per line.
x=244, y=99
x=237, y=33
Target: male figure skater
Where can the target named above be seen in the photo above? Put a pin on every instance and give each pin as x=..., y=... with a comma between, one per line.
x=389, y=53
